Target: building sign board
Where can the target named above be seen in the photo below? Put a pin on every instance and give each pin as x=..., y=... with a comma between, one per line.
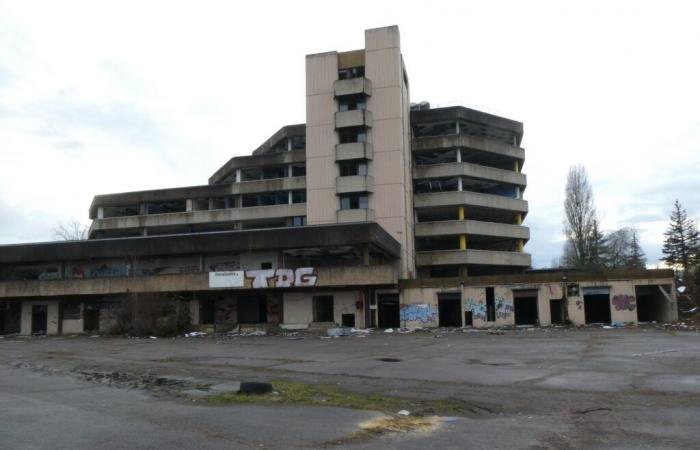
x=226, y=279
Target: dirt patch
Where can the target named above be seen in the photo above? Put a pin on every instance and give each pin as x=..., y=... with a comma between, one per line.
x=401, y=424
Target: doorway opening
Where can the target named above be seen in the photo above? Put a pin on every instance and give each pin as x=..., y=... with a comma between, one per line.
x=596, y=305
x=252, y=309
x=323, y=308
x=651, y=304
x=388, y=313
x=449, y=310
x=10, y=317
x=555, y=312
x=91, y=318
x=39, y=319
x=525, y=306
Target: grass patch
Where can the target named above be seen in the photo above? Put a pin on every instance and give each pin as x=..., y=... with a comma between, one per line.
x=289, y=392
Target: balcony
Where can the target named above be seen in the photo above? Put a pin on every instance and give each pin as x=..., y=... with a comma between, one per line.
x=354, y=150
x=354, y=215
x=469, y=170
x=471, y=227
x=354, y=118
x=458, y=198
x=474, y=257
x=354, y=183
x=352, y=86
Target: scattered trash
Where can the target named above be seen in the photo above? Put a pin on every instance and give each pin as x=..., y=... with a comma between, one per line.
x=403, y=412
x=195, y=334
x=389, y=330
x=337, y=332
x=153, y=337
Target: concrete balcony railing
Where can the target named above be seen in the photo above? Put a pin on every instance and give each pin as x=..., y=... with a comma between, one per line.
x=473, y=228
x=475, y=257
x=354, y=150
x=457, y=198
x=354, y=215
x=352, y=86
x=466, y=141
x=470, y=170
x=354, y=118
x=355, y=183
x=198, y=217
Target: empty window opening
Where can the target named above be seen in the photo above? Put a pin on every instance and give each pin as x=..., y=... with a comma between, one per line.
x=651, y=304
x=323, y=308
x=596, y=305
x=120, y=211
x=166, y=207
x=353, y=167
x=10, y=317
x=490, y=304
x=252, y=309
x=388, y=312
x=352, y=103
x=298, y=142
x=443, y=271
x=299, y=196
x=354, y=201
x=298, y=170
x=348, y=320
x=351, y=72
x=350, y=135
x=555, y=312
x=450, y=310
x=525, y=307
x=298, y=221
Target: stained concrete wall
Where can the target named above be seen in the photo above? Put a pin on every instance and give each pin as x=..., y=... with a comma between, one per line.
x=72, y=326
x=298, y=307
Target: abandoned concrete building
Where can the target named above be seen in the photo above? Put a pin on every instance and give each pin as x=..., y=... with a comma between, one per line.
x=374, y=213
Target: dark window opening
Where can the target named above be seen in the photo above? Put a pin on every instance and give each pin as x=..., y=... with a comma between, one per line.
x=525, y=307
x=39, y=319
x=120, y=211
x=298, y=170
x=298, y=221
x=490, y=304
x=444, y=271
x=299, y=196
x=651, y=303
x=388, y=312
x=323, y=308
x=350, y=135
x=354, y=201
x=207, y=311
x=298, y=142
x=252, y=309
x=352, y=103
x=555, y=312
x=167, y=207
x=266, y=265
x=351, y=72
x=353, y=167
x=597, y=308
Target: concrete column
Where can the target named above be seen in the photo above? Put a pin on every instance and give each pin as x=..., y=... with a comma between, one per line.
x=100, y=212
x=289, y=197
x=143, y=209
x=289, y=144
x=519, y=245
x=289, y=170
x=238, y=175
x=144, y=231
x=189, y=207
x=462, y=237
x=516, y=166
x=459, y=184
x=461, y=213
x=459, y=156
x=457, y=127
x=518, y=219
x=365, y=255
x=211, y=204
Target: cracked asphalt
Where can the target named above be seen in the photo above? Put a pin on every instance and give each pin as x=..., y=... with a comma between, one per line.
x=542, y=389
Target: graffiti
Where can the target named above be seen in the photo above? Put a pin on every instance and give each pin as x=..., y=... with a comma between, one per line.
x=579, y=304
x=627, y=302
x=50, y=275
x=478, y=309
x=301, y=277
x=422, y=313
x=504, y=309
x=77, y=272
x=105, y=271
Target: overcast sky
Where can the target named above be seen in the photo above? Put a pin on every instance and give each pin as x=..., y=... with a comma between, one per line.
x=100, y=97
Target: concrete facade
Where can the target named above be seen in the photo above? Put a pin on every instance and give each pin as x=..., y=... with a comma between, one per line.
x=351, y=217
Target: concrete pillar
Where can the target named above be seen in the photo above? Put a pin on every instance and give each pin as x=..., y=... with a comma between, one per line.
x=461, y=213
x=520, y=245
x=144, y=231
x=189, y=205
x=289, y=171
x=365, y=255
x=194, y=311
x=289, y=197
x=289, y=144
x=238, y=175
x=143, y=209
x=462, y=237
x=516, y=166
x=459, y=184
x=457, y=127
x=518, y=219
x=459, y=156
x=100, y=212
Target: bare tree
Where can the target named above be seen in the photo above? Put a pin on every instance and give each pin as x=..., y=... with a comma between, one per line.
x=581, y=222
x=72, y=230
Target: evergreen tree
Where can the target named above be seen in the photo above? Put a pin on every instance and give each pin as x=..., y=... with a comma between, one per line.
x=636, y=258
x=596, y=244
x=682, y=243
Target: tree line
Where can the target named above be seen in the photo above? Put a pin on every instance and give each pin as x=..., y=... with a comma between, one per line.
x=588, y=247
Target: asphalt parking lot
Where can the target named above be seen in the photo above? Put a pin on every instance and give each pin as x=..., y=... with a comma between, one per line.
x=538, y=389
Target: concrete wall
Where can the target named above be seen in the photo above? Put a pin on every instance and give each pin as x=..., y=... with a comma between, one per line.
x=72, y=326
x=298, y=307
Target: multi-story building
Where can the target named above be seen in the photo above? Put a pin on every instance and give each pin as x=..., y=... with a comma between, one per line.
x=375, y=212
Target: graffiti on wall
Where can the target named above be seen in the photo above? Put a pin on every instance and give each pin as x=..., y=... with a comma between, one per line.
x=504, y=308
x=301, y=277
x=622, y=302
x=477, y=308
x=423, y=313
